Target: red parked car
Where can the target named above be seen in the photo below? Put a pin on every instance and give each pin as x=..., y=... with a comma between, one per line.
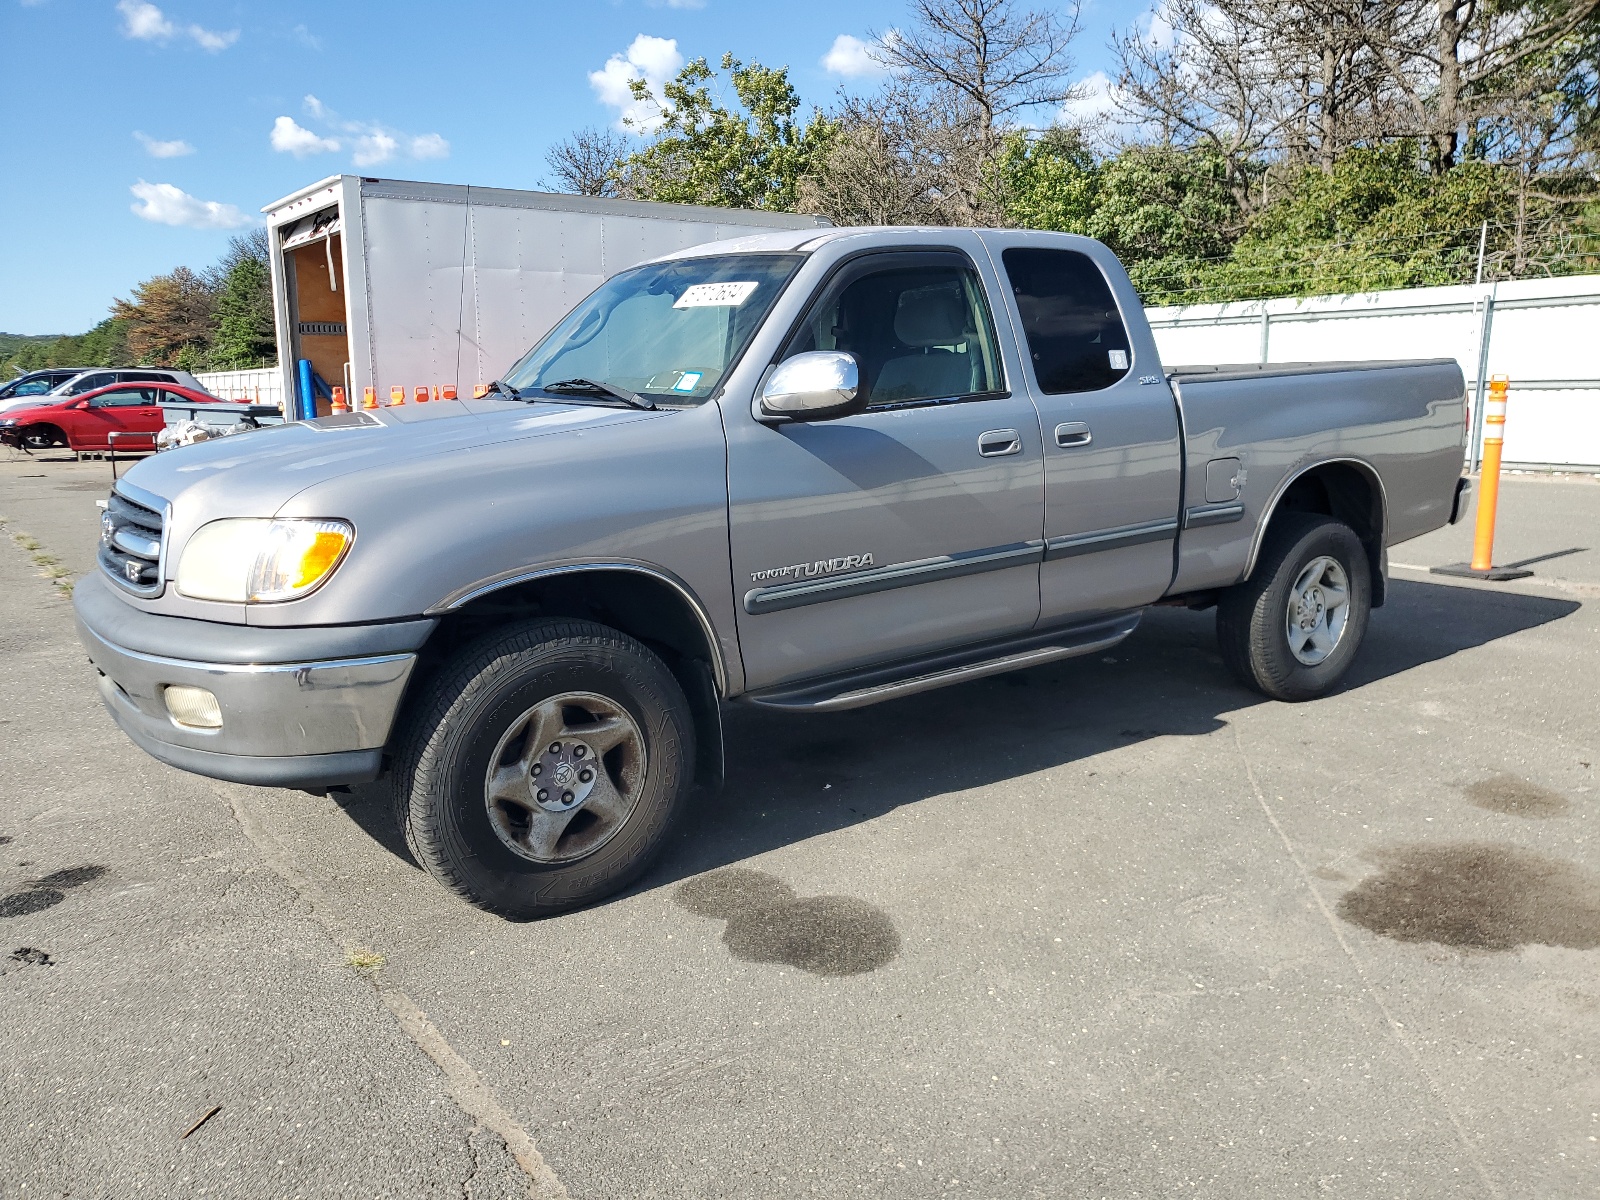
x=85, y=422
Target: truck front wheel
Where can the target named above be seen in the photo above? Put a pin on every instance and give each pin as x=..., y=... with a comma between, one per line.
x=1293, y=628
x=543, y=770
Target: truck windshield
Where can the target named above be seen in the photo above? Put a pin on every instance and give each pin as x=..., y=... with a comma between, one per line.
x=666, y=331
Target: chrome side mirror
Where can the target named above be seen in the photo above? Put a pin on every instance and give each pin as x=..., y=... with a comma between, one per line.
x=818, y=385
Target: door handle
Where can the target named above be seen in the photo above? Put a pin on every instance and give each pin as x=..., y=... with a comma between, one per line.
x=1072, y=434
x=996, y=443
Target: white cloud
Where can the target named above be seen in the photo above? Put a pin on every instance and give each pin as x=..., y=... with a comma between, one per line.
x=656, y=61
x=306, y=38
x=853, y=58
x=168, y=205
x=373, y=148
x=1158, y=30
x=1096, y=99
x=370, y=142
x=290, y=137
x=429, y=145
x=156, y=148
x=212, y=41
x=145, y=22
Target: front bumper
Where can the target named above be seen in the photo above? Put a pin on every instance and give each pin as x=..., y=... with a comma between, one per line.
x=301, y=707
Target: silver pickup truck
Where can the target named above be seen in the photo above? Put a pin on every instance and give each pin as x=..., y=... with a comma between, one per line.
x=808, y=470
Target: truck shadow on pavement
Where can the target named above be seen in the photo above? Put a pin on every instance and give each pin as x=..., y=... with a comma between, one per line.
x=790, y=778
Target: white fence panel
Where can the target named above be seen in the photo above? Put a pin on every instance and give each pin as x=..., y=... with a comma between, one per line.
x=1542, y=333
x=263, y=386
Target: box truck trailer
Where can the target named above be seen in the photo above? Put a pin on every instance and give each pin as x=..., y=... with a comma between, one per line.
x=383, y=283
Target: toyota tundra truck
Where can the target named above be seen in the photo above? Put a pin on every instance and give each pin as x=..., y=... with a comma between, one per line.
x=806, y=469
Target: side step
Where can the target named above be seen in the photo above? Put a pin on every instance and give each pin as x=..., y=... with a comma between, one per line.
x=856, y=689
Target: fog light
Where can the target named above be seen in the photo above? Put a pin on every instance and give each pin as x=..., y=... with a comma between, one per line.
x=193, y=707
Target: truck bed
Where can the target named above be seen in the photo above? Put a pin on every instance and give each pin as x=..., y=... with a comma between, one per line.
x=1400, y=421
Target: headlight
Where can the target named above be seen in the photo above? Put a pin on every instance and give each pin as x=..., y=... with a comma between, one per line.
x=255, y=560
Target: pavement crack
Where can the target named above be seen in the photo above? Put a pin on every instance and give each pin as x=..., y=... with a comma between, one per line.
x=1395, y=1026
x=466, y=1087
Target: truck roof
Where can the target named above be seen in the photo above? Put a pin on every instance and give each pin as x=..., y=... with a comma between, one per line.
x=811, y=239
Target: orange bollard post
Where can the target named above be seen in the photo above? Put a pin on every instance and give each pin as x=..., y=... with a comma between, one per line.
x=369, y=397
x=449, y=391
x=339, y=406
x=422, y=394
x=436, y=391
x=1494, y=433
x=397, y=395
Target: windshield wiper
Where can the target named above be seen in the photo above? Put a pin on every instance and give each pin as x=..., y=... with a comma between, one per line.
x=588, y=387
x=505, y=389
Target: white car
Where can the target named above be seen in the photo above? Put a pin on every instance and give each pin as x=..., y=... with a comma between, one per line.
x=101, y=377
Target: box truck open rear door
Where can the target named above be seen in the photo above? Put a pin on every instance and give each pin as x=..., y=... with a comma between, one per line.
x=312, y=266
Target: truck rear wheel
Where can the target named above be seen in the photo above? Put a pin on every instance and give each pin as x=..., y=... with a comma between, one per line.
x=543, y=772
x=1293, y=628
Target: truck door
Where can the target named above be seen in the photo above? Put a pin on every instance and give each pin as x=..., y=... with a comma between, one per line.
x=1113, y=460
x=912, y=526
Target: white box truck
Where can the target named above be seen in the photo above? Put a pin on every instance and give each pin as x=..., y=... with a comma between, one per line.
x=383, y=283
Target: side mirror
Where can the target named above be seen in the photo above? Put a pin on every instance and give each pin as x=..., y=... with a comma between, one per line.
x=818, y=385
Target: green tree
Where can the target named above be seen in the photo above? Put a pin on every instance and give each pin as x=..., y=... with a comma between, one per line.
x=1169, y=213
x=244, y=336
x=1047, y=182
x=752, y=156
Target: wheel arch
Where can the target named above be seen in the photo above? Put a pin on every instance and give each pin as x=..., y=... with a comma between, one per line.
x=1348, y=489
x=644, y=602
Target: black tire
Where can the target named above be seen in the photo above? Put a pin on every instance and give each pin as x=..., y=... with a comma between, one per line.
x=462, y=716
x=1253, y=617
x=39, y=437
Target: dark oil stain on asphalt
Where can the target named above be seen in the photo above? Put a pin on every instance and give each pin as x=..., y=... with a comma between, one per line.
x=44, y=893
x=71, y=877
x=1517, y=797
x=1477, y=896
x=27, y=956
x=767, y=922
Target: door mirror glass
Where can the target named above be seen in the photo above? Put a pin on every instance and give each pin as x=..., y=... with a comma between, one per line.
x=818, y=385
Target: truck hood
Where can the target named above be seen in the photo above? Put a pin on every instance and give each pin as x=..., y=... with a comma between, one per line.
x=257, y=473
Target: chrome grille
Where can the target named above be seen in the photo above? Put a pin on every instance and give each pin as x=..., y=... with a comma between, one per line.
x=131, y=537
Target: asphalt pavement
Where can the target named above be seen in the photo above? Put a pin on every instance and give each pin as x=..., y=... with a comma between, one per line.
x=1110, y=928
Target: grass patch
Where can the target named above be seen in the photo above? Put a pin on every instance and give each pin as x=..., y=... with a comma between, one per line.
x=27, y=541
x=363, y=959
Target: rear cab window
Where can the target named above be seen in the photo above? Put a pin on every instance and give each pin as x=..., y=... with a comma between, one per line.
x=1076, y=339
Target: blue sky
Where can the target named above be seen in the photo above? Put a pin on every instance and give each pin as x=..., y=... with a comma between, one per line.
x=196, y=113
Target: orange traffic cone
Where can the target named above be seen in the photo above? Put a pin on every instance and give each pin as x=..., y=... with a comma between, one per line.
x=339, y=406
x=397, y=395
x=1494, y=434
x=422, y=394
x=369, y=397
x=449, y=391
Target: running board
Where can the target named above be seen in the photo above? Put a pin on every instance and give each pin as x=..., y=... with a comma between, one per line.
x=872, y=685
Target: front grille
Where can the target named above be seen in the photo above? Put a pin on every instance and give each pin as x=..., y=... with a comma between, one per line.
x=131, y=536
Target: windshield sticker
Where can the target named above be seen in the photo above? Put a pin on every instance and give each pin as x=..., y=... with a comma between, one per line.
x=716, y=295
x=1119, y=359
x=688, y=381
